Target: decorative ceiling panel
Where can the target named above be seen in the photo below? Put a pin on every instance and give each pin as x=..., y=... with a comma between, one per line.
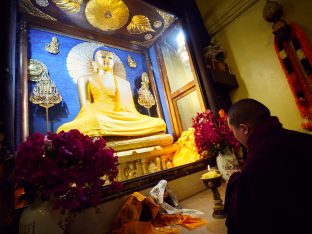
x=131, y=21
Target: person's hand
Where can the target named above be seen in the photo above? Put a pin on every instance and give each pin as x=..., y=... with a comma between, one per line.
x=234, y=170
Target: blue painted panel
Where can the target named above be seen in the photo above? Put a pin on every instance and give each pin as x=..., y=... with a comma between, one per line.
x=160, y=88
x=68, y=109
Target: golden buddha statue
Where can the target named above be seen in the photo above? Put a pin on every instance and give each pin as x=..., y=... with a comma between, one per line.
x=107, y=106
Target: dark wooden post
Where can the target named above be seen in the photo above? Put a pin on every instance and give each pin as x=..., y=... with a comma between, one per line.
x=7, y=103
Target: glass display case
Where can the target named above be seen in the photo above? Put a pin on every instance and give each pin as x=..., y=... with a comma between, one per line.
x=157, y=56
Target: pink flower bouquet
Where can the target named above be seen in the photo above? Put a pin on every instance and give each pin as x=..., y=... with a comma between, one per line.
x=68, y=168
x=212, y=135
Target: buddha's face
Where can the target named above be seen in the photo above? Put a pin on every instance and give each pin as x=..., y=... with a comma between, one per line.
x=104, y=60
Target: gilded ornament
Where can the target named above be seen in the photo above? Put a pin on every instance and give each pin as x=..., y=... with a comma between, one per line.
x=139, y=24
x=42, y=3
x=148, y=36
x=168, y=20
x=79, y=61
x=45, y=94
x=157, y=24
x=36, y=69
x=131, y=62
x=146, y=98
x=53, y=46
x=152, y=167
x=71, y=6
x=131, y=171
x=107, y=15
x=28, y=7
x=142, y=142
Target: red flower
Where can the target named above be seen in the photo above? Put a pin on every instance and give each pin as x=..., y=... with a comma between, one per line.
x=212, y=134
x=68, y=167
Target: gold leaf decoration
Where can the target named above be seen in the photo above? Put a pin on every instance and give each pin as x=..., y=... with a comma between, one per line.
x=168, y=20
x=72, y=6
x=139, y=24
x=107, y=15
x=29, y=8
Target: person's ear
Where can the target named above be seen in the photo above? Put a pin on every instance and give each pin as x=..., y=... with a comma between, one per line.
x=95, y=67
x=245, y=129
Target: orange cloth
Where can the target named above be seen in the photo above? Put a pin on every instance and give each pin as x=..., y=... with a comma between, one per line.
x=139, y=213
x=181, y=219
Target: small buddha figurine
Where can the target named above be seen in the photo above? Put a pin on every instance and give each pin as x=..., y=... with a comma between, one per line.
x=107, y=106
x=146, y=98
x=53, y=46
x=131, y=171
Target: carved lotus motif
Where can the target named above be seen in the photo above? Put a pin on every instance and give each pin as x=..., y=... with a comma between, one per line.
x=107, y=14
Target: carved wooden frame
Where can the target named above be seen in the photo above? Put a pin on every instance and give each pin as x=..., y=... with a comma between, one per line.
x=131, y=185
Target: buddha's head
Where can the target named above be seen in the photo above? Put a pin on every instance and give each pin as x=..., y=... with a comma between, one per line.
x=103, y=60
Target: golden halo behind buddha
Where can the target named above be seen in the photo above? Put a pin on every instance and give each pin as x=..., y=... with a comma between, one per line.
x=107, y=14
x=79, y=61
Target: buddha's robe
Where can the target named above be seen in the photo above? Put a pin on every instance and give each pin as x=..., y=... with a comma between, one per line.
x=110, y=114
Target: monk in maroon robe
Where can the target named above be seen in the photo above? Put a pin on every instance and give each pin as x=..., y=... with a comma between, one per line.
x=271, y=194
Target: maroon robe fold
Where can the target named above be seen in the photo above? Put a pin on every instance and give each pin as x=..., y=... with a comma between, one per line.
x=272, y=193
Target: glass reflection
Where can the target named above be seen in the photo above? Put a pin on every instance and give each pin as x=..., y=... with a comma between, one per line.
x=188, y=106
x=176, y=59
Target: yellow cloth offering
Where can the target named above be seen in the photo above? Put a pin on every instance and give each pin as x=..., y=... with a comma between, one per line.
x=187, y=152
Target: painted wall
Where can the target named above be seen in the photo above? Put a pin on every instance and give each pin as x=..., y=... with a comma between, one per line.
x=252, y=58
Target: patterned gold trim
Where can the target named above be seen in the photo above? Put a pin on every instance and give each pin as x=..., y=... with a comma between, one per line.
x=71, y=6
x=157, y=24
x=27, y=7
x=139, y=24
x=168, y=20
x=107, y=14
x=164, y=139
x=148, y=36
x=146, y=152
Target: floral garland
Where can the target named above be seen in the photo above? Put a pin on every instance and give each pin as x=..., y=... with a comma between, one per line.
x=295, y=56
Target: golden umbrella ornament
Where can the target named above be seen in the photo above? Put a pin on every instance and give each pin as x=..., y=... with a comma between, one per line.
x=45, y=94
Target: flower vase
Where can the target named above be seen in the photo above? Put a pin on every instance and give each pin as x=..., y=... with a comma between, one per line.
x=41, y=218
x=226, y=164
